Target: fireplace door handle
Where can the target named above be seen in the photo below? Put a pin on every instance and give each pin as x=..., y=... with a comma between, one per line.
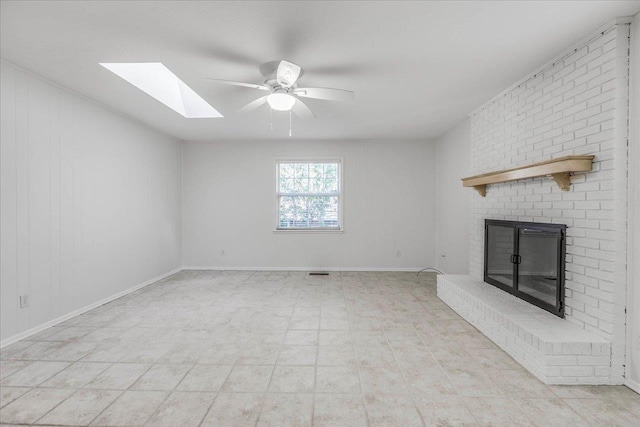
x=516, y=259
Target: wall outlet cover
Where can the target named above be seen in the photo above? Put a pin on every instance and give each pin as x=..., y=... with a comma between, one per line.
x=24, y=301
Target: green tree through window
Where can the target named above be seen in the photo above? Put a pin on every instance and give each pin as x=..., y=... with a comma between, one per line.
x=308, y=195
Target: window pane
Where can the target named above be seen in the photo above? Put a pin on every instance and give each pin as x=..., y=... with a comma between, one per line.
x=301, y=170
x=286, y=185
x=308, y=212
x=286, y=170
x=298, y=206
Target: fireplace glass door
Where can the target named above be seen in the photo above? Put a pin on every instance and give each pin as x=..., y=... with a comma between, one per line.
x=538, y=267
x=500, y=249
x=527, y=260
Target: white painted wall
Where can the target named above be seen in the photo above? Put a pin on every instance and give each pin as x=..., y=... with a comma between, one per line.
x=633, y=305
x=90, y=202
x=229, y=204
x=453, y=203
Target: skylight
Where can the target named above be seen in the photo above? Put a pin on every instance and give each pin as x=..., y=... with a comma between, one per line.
x=156, y=80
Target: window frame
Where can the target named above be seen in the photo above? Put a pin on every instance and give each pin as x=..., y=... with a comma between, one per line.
x=340, y=195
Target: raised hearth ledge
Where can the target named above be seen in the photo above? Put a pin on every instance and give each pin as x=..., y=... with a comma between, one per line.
x=553, y=349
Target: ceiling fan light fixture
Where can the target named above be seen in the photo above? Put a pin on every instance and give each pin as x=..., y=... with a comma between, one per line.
x=281, y=101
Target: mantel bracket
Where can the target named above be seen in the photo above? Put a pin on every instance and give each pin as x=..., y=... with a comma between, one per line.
x=560, y=169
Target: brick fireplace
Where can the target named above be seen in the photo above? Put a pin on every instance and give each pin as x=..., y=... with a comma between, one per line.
x=575, y=105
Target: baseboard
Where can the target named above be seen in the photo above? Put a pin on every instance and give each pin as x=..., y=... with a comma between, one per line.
x=35, y=330
x=633, y=385
x=232, y=268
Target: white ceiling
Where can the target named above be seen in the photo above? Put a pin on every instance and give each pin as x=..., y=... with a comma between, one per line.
x=417, y=68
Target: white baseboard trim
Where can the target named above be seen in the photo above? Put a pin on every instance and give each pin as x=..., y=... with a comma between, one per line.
x=232, y=268
x=633, y=385
x=35, y=330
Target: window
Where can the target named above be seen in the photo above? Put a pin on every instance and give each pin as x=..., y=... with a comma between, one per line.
x=308, y=195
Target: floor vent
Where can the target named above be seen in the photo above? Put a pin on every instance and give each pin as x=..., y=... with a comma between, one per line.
x=318, y=273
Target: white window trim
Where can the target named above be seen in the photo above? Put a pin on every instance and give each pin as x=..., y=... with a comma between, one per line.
x=340, y=228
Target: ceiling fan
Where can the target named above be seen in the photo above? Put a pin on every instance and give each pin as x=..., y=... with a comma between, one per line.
x=284, y=93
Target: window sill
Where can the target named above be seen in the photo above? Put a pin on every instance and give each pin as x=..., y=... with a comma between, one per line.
x=302, y=231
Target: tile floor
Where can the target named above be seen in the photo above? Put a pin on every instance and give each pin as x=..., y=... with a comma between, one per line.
x=285, y=349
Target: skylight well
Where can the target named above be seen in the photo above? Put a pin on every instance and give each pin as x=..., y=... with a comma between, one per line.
x=156, y=80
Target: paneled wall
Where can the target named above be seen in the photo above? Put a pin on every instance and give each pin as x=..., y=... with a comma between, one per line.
x=90, y=202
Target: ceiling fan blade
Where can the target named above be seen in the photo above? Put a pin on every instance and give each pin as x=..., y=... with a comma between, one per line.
x=301, y=110
x=253, y=105
x=287, y=73
x=233, y=83
x=327, y=94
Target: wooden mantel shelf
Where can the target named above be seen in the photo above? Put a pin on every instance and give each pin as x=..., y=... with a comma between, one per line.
x=559, y=169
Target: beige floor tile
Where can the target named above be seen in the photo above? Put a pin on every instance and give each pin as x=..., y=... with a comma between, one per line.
x=9, y=367
x=444, y=411
x=182, y=409
x=263, y=354
x=11, y=351
x=292, y=379
x=428, y=381
x=519, y=383
x=29, y=351
x=81, y=408
x=335, y=323
x=469, y=381
x=334, y=338
x=382, y=380
x=298, y=355
x=306, y=312
x=234, y=409
x=307, y=323
x=293, y=410
x=9, y=394
x=132, y=408
x=336, y=355
x=107, y=352
x=594, y=392
x=631, y=405
x=34, y=374
x=32, y=405
x=235, y=327
x=270, y=336
x=338, y=410
x=161, y=377
x=369, y=338
x=497, y=411
x=77, y=375
x=118, y=376
x=379, y=355
x=604, y=412
x=248, y=378
x=221, y=355
x=300, y=337
x=71, y=351
x=391, y=410
x=493, y=358
x=337, y=379
x=205, y=378
x=550, y=411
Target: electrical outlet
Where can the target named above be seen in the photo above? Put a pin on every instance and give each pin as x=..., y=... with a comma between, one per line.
x=24, y=301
